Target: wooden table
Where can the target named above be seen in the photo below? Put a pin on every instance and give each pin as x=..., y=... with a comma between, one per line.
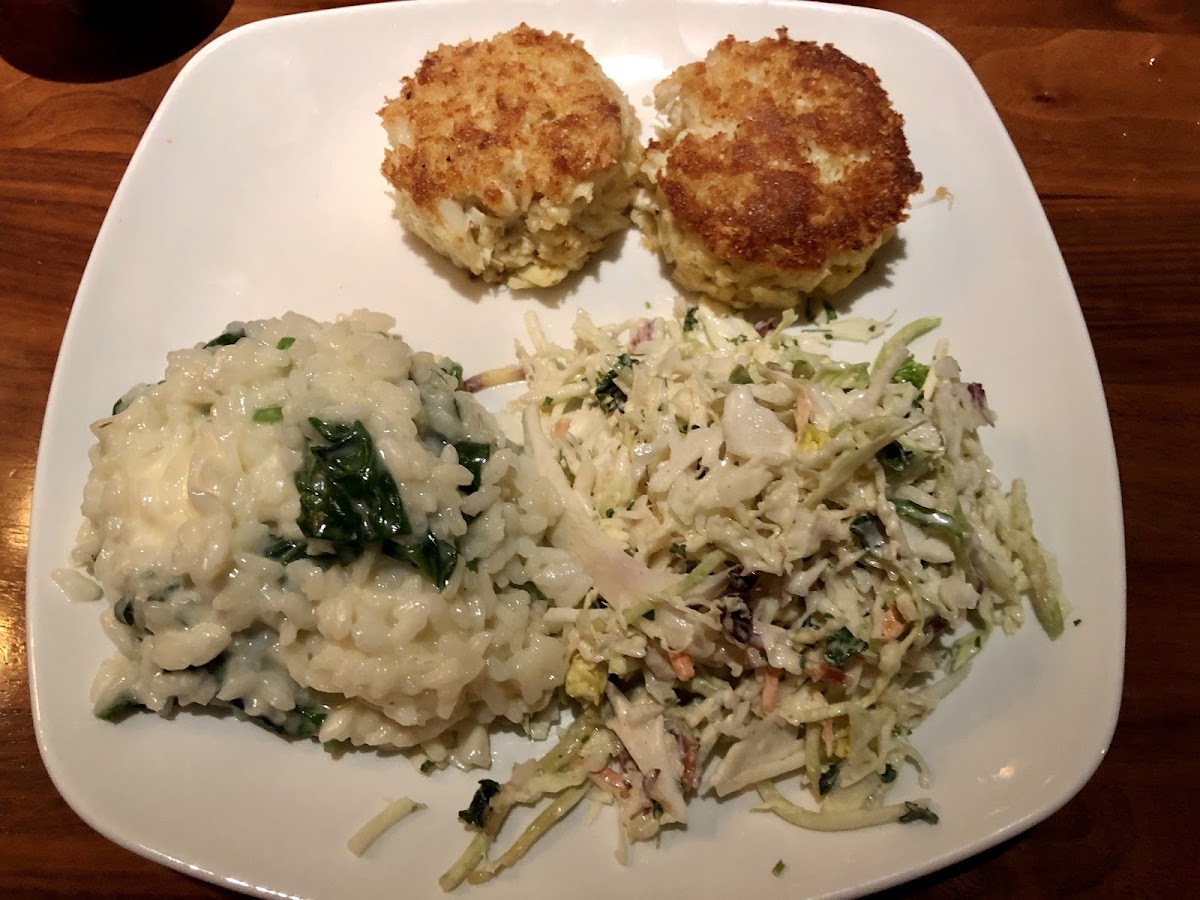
x=1102, y=98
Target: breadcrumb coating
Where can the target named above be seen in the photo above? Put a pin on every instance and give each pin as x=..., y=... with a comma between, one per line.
x=781, y=168
x=514, y=156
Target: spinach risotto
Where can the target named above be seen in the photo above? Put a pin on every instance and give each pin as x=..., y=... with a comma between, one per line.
x=314, y=525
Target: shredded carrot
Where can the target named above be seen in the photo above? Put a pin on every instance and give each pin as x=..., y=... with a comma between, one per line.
x=682, y=664
x=803, y=408
x=892, y=625
x=818, y=670
x=688, y=780
x=612, y=781
x=827, y=736
x=770, y=691
x=560, y=428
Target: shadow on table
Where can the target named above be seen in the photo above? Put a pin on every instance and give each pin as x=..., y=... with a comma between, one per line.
x=102, y=40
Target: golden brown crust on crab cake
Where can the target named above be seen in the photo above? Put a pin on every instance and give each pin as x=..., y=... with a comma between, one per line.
x=781, y=169
x=514, y=156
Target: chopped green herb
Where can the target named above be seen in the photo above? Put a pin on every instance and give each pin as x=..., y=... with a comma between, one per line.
x=802, y=368
x=828, y=778
x=268, y=414
x=226, y=339
x=119, y=406
x=738, y=339
x=931, y=518
x=648, y=614
x=689, y=318
x=481, y=804
x=815, y=619
x=657, y=810
x=453, y=369
x=778, y=868
x=629, y=505
x=896, y=458
x=918, y=813
x=830, y=312
x=868, y=528
x=841, y=646
x=678, y=550
x=547, y=402
x=471, y=456
x=1078, y=621
x=889, y=774
x=428, y=766
x=739, y=375
x=473, y=565
x=285, y=342
x=609, y=395
x=912, y=372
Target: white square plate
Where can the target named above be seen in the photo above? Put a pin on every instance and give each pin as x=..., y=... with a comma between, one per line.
x=256, y=189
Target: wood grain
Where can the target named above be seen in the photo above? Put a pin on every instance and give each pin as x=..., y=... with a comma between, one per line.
x=1102, y=100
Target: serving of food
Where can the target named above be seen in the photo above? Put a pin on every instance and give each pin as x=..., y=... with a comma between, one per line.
x=780, y=168
x=732, y=542
x=514, y=156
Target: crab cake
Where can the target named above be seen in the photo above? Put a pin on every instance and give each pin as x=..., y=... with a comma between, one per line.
x=780, y=169
x=515, y=157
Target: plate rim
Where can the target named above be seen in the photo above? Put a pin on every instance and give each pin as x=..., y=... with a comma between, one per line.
x=54, y=766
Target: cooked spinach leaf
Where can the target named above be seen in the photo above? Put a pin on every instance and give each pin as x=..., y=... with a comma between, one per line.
x=301, y=722
x=472, y=456
x=481, y=804
x=165, y=591
x=119, y=709
x=347, y=495
x=123, y=611
x=285, y=551
x=435, y=558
